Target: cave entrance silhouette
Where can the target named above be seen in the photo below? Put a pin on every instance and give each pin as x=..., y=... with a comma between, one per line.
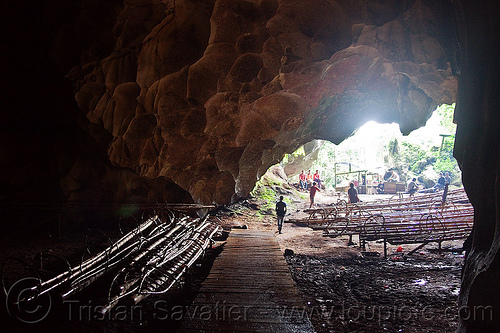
x=376, y=149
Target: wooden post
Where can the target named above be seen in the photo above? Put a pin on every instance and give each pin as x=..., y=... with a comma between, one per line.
x=385, y=248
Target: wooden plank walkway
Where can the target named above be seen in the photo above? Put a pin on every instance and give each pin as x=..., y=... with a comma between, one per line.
x=249, y=289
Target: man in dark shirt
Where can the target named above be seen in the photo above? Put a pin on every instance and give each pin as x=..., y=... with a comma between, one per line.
x=440, y=183
x=353, y=194
x=280, y=213
x=412, y=187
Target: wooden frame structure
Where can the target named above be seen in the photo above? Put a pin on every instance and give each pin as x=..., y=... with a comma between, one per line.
x=420, y=219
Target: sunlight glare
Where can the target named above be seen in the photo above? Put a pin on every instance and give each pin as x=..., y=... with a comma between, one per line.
x=372, y=136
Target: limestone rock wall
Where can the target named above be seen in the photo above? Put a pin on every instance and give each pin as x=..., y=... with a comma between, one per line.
x=295, y=164
x=209, y=94
x=477, y=150
x=145, y=101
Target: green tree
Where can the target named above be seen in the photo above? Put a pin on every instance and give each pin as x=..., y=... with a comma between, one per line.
x=413, y=157
x=393, y=153
x=444, y=156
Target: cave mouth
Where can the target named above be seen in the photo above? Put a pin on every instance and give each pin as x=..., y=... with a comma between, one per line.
x=375, y=149
x=331, y=262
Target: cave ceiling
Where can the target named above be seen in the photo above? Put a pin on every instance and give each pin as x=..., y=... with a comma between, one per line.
x=204, y=96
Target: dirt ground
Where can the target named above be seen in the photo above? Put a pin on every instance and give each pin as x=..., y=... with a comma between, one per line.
x=346, y=291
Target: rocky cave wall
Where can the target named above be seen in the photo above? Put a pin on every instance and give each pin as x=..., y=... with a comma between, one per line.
x=477, y=151
x=209, y=94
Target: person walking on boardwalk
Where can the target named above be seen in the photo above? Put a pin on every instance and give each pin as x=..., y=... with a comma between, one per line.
x=280, y=213
x=312, y=193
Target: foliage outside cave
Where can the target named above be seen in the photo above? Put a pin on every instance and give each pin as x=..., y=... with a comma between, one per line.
x=379, y=148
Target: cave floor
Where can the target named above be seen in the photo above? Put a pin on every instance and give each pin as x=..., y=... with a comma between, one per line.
x=343, y=291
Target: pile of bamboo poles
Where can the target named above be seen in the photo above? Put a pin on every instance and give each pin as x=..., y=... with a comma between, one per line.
x=156, y=269
x=150, y=259
x=419, y=203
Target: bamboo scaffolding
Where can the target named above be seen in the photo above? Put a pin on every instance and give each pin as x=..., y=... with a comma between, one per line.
x=153, y=256
x=423, y=218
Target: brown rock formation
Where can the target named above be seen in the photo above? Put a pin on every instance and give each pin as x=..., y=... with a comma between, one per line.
x=477, y=150
x=211, y=94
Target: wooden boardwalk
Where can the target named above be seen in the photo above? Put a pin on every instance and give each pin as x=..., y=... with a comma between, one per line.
x=249, y=289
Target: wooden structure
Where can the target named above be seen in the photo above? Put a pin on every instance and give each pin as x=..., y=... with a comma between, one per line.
x=420, y=219
x=249, y=289
x=394, y=187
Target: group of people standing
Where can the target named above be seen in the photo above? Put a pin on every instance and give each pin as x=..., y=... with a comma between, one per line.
x=309, y=182
x=281, y=205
